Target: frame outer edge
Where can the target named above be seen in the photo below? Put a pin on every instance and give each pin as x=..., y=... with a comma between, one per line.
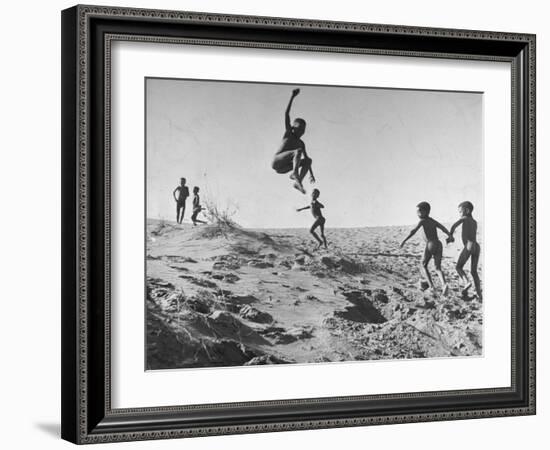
x=75, y=208
x=69, y=262
x=297, y=23
x=532, y=143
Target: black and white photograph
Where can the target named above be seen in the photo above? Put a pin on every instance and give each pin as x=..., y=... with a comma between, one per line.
x=276, y=220
x=299, y=224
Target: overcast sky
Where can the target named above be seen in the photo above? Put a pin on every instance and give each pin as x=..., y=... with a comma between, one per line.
x=376, y=152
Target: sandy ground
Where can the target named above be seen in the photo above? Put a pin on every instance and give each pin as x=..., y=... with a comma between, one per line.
x=225, y=296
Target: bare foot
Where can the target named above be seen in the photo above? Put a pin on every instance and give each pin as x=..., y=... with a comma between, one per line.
x=464, y=291
x=298, y=186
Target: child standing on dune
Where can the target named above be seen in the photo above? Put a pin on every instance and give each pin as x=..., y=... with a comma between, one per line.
x=471, y=247
x=182, y=193
x=316, y=207
x=434, y=248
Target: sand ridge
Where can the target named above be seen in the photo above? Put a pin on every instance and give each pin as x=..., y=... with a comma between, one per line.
x=221, y=295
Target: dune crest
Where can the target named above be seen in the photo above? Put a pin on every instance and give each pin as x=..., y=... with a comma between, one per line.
x=221, y=295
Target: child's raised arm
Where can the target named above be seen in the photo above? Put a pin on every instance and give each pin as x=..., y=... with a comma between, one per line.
x=301, y=209
x=295, y=92
x=412, y=233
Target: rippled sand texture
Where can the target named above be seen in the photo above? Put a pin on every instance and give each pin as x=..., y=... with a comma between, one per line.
x=226, y=296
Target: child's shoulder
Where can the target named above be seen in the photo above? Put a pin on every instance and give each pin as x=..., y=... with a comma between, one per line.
x=427, y=222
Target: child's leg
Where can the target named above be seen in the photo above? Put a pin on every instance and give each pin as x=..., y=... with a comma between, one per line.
x=196, y=214
x=282, y=162
x=464, y=255
x=473, y=269
x=312, y=231
x=305, y=165
x=178, y=207
x=425, y=261
x=301, y=166
x=322, y=227
x=182, y=212
x=298, y=156
x=194, y=217
x=438, y=256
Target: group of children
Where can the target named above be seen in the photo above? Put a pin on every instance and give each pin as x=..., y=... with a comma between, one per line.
x=434, y=247
x=292, y=157
x=180, y=196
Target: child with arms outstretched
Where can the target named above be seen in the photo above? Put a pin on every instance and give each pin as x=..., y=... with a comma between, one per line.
x=316, y=207
x=433, y=248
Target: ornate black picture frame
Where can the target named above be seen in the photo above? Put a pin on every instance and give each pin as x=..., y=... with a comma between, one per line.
x=87, y=35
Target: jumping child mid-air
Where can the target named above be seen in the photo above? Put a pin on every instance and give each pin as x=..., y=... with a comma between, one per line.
x=183, y=192
x=197, y=208
x=292, y=156
x=471, y=247
x=434, y=248
x=316, y=207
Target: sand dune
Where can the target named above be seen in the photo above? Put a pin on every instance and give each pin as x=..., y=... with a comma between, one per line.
x=226, y=296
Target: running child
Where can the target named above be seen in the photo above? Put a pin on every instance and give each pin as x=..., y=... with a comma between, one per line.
x=316, y=207
x=292, y=156
x=197, y=208
x=471, y=248
x=434, y=248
